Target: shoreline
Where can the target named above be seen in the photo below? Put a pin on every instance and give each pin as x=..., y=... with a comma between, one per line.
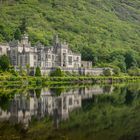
x=44, y=81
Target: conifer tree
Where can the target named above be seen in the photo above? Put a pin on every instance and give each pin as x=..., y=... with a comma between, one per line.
x=17, y=34
x=4, y=62
x=38, y=71
x=23, y=26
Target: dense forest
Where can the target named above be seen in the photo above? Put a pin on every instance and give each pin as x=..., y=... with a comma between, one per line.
x=106, y=32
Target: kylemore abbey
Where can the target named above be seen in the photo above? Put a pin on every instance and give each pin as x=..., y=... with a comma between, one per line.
x=48, y=58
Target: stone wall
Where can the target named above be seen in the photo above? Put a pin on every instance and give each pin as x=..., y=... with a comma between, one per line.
x=81, y=71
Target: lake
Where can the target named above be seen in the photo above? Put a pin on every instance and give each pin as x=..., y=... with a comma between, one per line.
x=71, y=112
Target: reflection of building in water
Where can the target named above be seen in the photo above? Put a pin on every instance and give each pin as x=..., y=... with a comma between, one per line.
x=24, y=106
x=21, y=109
x=4, y=115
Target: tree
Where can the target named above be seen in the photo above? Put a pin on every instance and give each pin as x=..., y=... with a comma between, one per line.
x=4, y=62
x=130, y=59
x=23, y=26
x=17, y=34
x=87, y=54
x=38, y=71
x=117, y=59
x=6, y=33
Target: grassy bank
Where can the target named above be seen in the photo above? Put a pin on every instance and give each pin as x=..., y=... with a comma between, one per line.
x=8, y=79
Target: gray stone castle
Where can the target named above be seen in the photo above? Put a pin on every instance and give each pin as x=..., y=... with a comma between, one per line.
x=21, y=54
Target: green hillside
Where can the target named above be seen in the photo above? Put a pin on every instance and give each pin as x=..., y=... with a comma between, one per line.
x=104, y=31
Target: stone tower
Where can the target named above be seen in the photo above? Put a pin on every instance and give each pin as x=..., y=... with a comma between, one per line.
x=25, y=40
x=56, y=41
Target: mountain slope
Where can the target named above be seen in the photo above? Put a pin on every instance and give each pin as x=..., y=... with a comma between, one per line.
x=93, y=27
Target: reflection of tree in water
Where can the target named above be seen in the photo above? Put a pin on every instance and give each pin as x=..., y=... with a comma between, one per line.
x=31, y=92
x=129, y=97
x=112, y=113
x=57, y=113
x=5, y=98
x=107, y=88
x=132, y=93
x=98, y=110
x=7, y=95
x=56, y=118
x=87, y=103
x=58, y=91
x=134, y=87
x=38, y=92
x=5, y=102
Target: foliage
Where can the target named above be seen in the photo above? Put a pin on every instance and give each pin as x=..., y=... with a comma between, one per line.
x=57, y=91
x=17, y=34
x=4, y=63
x=13, y=72
x=37, y=71
x=22, y=72
x=134, y=71
x=57, y=73
x=130, y=59
x=113, y=112
x=23, y=26
x=107, y=72
x=116, y=71
x=103, y=31
x=28, y=69
x=38, y=92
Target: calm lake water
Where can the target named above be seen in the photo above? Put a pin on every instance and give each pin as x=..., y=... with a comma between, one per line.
x=95, y=112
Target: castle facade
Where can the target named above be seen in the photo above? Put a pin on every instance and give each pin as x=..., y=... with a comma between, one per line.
x=59, y=55
x=48, y=58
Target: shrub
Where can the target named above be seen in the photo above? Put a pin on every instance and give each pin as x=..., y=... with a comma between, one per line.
x=4, y=63
x=17, y=34
x=116, y=71
x=58, y=72
x=107, y=72
x=38, y=82
x=38, y=92
x=13, y=72
x=134, y=71
x=68, y=73
x=22, y=72
x=38, y=71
